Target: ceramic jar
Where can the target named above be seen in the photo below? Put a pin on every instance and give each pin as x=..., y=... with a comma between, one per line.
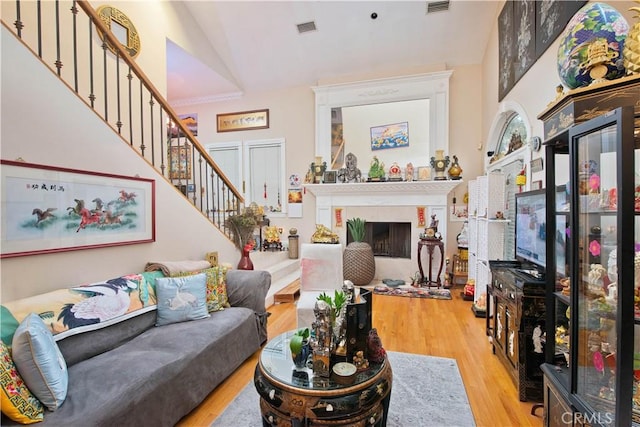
x=581, y=48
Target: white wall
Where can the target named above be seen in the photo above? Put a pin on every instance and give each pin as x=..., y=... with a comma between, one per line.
x=57, y=129
x=292, y=116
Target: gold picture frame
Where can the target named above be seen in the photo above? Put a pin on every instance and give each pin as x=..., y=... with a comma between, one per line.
x=424, y=173
x=244, y=120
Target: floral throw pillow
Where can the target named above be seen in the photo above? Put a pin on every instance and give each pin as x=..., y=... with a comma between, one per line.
x=17, y=401
x=217, y=298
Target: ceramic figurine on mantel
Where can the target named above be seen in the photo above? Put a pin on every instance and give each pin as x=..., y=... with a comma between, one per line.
x=455, y=171
x=376, y=170
x=350, y=171
x=408, y=174
x=439, y=163
x=317, y=169
x=395, y=173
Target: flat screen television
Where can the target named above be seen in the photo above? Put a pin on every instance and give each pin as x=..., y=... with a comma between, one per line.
x=531, y=228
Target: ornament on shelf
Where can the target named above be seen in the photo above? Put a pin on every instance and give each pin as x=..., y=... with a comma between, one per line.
x=455, y=171
x=591, y=46
x=439, y=163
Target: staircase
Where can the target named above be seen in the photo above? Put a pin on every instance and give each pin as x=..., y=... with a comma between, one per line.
x=75, y=43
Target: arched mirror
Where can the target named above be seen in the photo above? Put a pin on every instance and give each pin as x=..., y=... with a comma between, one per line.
x=509, y=152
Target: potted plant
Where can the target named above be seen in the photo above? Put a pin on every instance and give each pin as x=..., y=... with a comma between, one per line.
x=242, y=226
x=299, y=346
x=358, y=262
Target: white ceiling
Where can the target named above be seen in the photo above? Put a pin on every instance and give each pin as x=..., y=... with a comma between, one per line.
x=260, y=48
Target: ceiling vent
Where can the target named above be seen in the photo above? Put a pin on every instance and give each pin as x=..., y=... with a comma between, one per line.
x=437, y=6
x=305, y=27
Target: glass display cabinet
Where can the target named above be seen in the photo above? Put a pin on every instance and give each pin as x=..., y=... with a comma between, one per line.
x=592, y=346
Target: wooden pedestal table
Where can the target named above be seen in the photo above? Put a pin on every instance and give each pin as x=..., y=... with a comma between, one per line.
x=431, y=245
x=290, y=397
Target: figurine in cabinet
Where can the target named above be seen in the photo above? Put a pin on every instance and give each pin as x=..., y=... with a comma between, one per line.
x=596, y=276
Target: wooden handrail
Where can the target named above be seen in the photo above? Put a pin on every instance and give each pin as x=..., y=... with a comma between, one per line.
x=102, y=84
x=124, y=55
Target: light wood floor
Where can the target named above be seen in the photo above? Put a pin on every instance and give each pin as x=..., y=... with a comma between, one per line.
x=433, y=327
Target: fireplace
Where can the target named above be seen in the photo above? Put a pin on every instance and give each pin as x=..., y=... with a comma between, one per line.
x=385, y=202
x=388, y=239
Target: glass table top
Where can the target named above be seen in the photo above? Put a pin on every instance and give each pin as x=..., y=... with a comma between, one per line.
x=276, y=362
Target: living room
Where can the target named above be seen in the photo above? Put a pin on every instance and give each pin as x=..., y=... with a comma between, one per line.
x=474, y=112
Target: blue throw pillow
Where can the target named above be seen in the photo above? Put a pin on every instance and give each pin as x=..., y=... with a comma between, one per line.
x=40, y=362
x=181, y=299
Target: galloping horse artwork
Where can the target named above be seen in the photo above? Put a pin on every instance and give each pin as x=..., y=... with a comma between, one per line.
x=50, y=210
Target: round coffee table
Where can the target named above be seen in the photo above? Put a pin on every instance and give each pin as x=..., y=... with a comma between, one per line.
x=297, y=397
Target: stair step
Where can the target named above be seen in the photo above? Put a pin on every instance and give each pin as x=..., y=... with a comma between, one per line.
x=283, y=269
x=288, y=293
x=278, y=285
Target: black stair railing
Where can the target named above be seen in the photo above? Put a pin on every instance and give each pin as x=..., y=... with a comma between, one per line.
x=71, y=39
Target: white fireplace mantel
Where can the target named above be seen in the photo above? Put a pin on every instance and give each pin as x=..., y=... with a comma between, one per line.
x=414, y=193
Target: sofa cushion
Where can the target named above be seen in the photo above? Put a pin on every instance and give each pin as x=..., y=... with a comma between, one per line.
x=181, y=299
x=16, y=400
x=40, y=362
x=216, y=286
x=84, y=308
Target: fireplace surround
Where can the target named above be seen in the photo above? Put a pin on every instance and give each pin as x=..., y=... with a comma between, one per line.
x=385, y=202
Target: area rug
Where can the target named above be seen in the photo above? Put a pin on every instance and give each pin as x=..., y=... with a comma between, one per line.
x=427, y=391
x=435, y=293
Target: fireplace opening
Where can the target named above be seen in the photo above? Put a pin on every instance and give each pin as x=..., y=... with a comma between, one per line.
x=388, y=239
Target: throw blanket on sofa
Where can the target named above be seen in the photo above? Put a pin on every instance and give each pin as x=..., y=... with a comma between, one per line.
x=173, y=268
x=85, y=307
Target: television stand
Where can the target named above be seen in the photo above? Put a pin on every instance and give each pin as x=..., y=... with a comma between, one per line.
x=517, y=292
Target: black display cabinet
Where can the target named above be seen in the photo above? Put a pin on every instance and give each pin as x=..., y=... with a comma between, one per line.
x=592, y=351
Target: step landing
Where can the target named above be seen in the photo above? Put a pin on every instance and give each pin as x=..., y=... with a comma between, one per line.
x=284, y=270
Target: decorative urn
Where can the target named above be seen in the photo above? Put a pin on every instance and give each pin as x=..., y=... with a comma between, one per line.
x=455, y=171
x=439, y=163
x=591, y=46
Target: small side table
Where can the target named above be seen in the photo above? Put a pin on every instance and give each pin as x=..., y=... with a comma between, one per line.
x=431, y=245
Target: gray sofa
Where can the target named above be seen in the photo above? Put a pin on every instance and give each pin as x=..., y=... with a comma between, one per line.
x=134, y=373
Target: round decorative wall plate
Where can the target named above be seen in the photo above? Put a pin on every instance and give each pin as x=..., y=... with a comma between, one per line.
x=121, y=27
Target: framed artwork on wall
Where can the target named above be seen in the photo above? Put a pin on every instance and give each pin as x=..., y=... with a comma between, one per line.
x=244, y=120
x=180, y=162
x=49, y=209
x=390, y=136
x=526, y=28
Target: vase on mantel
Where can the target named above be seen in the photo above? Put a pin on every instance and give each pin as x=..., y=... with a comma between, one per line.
x=245, y=261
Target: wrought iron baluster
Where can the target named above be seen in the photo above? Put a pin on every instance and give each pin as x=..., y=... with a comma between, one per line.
x=118, y=122
x=92, y=95
x=18, y=22
x=74, y=11
x=58, y=60
x=130, y=78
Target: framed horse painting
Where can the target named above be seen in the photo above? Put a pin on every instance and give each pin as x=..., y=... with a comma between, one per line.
x=50, y=209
